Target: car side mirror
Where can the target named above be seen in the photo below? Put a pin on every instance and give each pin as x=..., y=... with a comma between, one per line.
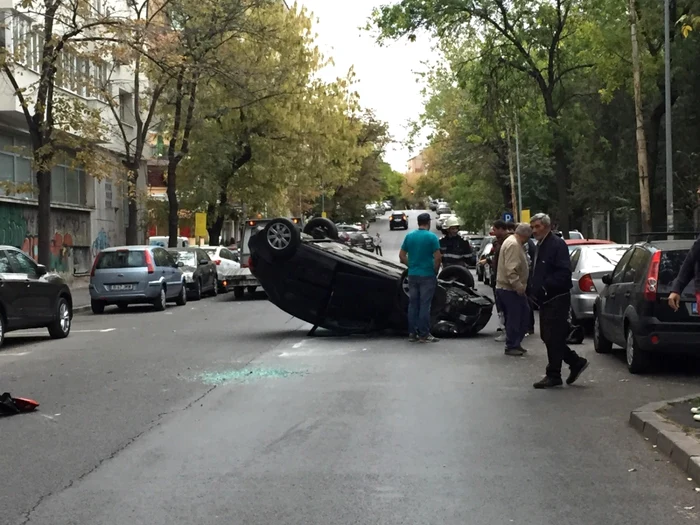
x=203, y=262
x=607, y=279
x=180, y=264
x=41, y=270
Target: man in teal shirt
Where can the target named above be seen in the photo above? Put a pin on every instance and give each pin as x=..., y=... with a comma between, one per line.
x=420, y=251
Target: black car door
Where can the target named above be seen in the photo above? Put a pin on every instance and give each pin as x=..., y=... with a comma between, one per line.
x=208, y=270
x=12, y=288
x=38, y=300
x=624, y=296
x=609, y=315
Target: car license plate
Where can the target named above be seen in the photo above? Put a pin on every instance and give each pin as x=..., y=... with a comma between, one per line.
x=398, y=220
x=121, y=287
x=694, y=308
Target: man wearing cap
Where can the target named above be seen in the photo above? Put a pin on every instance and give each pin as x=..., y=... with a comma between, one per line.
x=420, y=251
x=454, y=249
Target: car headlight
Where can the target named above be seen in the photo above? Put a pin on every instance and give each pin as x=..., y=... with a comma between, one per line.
x=188, y=277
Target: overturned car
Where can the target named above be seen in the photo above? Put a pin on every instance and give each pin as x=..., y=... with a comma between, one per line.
x=349, y=290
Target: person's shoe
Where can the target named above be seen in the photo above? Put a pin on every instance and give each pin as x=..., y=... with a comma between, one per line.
x=695, y=410
x=523, y=350
x=576, y=371
x=548, y=382
x=696, y=417
x=499, y=329
x=412, y=338
x=514, y=352
x=429, y=339
x=500, y=338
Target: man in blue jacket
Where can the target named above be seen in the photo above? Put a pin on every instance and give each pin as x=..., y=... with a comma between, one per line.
x=549, y=287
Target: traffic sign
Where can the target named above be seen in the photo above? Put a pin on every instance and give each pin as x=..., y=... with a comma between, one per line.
x=508, y=217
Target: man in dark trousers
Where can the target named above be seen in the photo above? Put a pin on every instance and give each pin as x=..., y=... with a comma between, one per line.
x=454, y=249
x=549, y=287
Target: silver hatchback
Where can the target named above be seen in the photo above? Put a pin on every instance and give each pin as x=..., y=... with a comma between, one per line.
x=136, y=275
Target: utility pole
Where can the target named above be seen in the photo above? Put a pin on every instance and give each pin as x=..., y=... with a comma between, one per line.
x=517, y=163
x=669, y=146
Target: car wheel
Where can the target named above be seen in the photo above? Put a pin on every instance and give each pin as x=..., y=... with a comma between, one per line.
x=251, y=289
x=97, y=307
x=282, y=238
x=391, y=228
x=197, y=295
x=600, y=343
x=238, y=292
x=479, y=275
x=320, y=228
x=181, y=299
x=60, y=327
x=457, y=273
x=215, y=289
x=637, y=359
x=161, y=302
x=3, y=329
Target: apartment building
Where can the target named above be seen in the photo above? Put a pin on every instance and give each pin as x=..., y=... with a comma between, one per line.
x=87, y=215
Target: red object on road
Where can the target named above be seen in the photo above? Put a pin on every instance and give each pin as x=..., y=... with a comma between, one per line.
x=24, y=404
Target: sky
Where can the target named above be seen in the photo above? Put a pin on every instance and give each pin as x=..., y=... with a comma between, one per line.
x=386, y=75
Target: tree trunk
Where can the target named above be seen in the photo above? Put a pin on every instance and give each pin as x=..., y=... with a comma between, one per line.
x=511, y=172
x=172, y=204
x=132, y=230
x=561, y=164
x=218, y=224
x=43, y=178
x=642, y=158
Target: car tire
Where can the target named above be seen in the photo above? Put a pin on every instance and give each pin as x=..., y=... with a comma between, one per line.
x=3, y=327
x=181, y=299
x=282, y=238
x=600, y=343
x=323, y=227
x=457, y=273
x=215, y=289
x=238, y=292
x=97, y=307
x=391, y=228
x=252, y=289
x=197, y=294
x=60, y=327
x=638, y=361
x=161, y=301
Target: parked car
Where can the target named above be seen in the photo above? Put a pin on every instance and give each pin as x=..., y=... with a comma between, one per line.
x=320, y=281
x=31, y=297
x=589, y=263
x=357, y=240
x=475, y=242
x=441, y=220
x=162, y=241
x=136, y=275
x=442, y=209
x=227, y=263
x=433, y=204
x=199, y=271
x=585, y=242
x=398, y=219
x=632, y=309
x=342, y=227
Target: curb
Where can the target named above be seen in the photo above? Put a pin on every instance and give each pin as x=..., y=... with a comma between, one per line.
x=682, y=449
x=81, y=309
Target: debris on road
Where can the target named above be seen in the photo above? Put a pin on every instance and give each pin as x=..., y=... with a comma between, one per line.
x=632, y=470
x=9, y=406
x=245, y=375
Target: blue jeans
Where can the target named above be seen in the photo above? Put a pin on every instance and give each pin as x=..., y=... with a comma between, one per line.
x=420, y=295
x=517, y=314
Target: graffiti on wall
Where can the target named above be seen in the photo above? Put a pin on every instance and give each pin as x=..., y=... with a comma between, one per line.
x=100, y=243
x=18, y=227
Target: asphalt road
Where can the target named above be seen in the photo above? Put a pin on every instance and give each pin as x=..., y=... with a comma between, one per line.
x=134, y=429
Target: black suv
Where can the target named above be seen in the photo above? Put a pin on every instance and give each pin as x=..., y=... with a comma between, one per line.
x=398, y=219
x=632, y=310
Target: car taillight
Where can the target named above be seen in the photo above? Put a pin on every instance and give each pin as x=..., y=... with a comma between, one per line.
x=651, y=285
x=149, y=262
x=586, y=284
x=94, y=265
x=217, y=262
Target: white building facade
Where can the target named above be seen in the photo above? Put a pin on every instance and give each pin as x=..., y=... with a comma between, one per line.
x=87, y=215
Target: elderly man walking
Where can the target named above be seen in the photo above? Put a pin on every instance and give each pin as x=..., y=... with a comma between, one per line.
x=420, y=251
x=511, y=287
x=549, y=287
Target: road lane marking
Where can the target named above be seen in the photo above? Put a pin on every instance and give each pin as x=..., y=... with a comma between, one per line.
x=103, y=331
x=4, y=354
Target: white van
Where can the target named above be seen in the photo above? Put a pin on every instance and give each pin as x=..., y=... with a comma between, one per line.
x=162, y=240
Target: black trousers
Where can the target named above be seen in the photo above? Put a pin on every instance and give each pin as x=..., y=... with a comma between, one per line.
x=554, y=329
x=378, y=250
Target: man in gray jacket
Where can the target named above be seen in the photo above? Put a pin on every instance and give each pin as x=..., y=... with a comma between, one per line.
x=511, y=284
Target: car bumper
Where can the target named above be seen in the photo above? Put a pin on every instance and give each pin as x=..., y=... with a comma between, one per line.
x=582, y=305
x=146, y=295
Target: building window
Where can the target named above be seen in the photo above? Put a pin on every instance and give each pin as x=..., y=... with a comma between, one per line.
x=108, y=194
x=68, y=185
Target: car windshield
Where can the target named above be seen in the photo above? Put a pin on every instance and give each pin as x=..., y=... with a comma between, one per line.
x=670, y=267
x=121, y=259
x=606, y=257
x=187, y=258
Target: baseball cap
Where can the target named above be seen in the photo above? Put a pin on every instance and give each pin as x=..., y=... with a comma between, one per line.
x=423, y=218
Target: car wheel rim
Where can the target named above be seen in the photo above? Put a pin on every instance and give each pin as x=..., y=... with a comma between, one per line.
x=64, y=317
x=630, y=349
x=279, y=236
x=404, y=286
x=199, y=288
x=162, y=298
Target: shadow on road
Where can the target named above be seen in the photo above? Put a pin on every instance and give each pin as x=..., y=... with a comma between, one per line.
x=18, y=340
